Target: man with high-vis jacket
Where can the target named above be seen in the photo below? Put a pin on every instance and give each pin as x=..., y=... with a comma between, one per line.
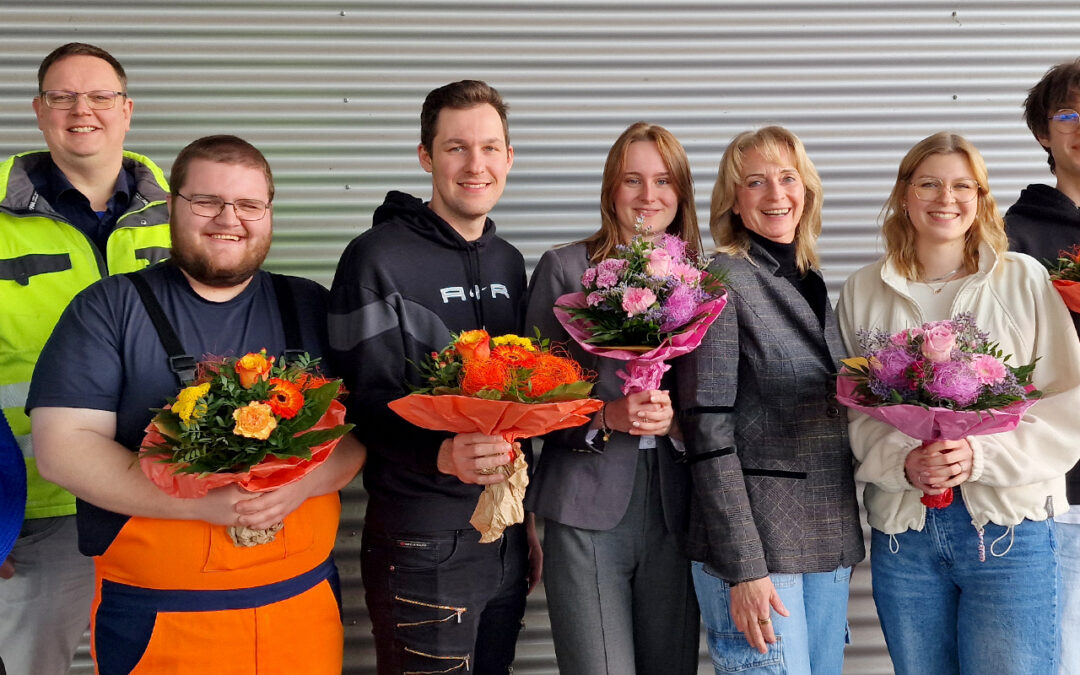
x=70, y=215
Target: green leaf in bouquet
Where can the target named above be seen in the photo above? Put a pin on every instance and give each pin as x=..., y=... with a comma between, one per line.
x=311, y=439
x=567, y=392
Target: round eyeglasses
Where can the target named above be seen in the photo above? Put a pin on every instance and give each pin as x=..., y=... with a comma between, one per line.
x=932, y=190
x=209, y=206
x=1065, y=121
x=99, y=99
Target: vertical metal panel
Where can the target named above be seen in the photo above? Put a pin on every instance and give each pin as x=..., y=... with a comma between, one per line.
x=331, y=92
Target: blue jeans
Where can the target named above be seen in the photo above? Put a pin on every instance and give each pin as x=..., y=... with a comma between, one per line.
x=943, y=611
x=444, y=602
x=811, y=640
x=1068, y=537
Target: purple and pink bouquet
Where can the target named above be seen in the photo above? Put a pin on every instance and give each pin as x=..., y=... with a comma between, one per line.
x=944, y=380
x=649, y=302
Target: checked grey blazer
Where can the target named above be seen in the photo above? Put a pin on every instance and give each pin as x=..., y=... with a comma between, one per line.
x=571, y=484
x=773, y=485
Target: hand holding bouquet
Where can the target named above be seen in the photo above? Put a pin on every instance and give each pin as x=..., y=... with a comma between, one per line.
x=1065, y=275
x=649, y=302
x=941, y=381
x=509, y=386
x=245, y=421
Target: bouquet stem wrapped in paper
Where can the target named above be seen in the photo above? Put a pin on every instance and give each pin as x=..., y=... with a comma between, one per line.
x=506, y=386
x=246, y=422
x=941, y=381
x=647, y=304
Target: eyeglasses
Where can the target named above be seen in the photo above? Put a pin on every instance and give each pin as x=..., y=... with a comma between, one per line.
x=99, y=99
x=209, y=206
x=1065, y=121
x=932, y=189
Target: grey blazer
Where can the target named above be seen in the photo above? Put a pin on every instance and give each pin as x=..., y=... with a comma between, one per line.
x=773, y=480
x=572, y=484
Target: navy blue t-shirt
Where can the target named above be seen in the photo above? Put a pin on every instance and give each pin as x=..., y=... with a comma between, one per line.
x=105, y=354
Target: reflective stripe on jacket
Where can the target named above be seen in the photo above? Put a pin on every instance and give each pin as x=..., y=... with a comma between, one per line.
x=44, y=262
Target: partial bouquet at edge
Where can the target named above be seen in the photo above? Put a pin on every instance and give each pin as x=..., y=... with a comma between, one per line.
x=245, y=421
x=510, y=386
x=648, y=303
x=944, y=380
x=1065, y=275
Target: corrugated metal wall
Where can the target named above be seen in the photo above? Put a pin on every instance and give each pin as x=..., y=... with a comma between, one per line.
x=331, y=92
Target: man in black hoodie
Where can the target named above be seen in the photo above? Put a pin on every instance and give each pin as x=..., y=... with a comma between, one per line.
x=1043, y=222
x=439, y=600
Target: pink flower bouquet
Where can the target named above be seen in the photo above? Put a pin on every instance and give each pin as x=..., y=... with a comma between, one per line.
x=648, y=303
x=941, y=381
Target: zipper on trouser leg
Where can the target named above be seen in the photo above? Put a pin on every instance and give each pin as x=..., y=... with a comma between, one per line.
x=456, y=612
x=463, y=659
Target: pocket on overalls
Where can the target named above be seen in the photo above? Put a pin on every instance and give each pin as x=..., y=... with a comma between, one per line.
x=224, y=555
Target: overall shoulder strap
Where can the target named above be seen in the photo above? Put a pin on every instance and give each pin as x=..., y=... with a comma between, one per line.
x=294, y=345
x=181, y=364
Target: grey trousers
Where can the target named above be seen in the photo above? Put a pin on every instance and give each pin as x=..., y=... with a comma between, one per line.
x=622, y=601
x=45, y=607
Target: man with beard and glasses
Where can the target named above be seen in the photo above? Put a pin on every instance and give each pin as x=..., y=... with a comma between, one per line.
x=69, y=215
x=173, y=593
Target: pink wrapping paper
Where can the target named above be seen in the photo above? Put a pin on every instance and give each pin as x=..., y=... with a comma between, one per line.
x=644, y=369
x=936, y=424
x=267, y=475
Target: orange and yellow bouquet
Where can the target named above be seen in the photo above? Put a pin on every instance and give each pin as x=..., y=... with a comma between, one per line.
x=1065, y=275
x=246, y=421
x=511, y=386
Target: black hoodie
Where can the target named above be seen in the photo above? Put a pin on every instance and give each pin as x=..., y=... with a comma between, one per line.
x=400, y=289
x=1042, y=223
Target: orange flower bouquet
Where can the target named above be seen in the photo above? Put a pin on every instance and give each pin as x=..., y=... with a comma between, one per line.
x=1065, y=275
x=245, y=421
x=511, y=386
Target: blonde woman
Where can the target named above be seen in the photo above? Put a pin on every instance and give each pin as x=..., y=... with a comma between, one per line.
x=973, y=587
x=774, y=525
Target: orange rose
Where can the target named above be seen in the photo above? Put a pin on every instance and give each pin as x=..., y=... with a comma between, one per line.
x=255, y=420
x=474, y=344
x=253, y=367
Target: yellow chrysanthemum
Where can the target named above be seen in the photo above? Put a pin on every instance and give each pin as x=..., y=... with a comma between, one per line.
x=517, y=340
x=187, y=400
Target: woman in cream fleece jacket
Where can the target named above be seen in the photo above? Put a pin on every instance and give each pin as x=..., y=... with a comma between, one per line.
x=970, y=588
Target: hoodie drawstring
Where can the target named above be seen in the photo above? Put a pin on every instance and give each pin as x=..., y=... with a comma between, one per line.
x=473, y=273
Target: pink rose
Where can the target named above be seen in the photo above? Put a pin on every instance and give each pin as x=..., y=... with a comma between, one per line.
x=903, y=337
x=938, y=343
x=659, y=264
x=988, y=369
x=637, y=300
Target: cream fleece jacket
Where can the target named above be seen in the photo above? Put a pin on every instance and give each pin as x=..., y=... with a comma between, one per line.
x=1015, y=475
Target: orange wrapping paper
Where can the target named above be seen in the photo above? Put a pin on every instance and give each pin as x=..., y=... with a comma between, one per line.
x=500, y=505
x=1070, y=293
x=266, y=475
